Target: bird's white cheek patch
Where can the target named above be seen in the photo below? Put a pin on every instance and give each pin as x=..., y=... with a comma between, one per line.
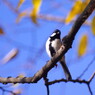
x=53, y=34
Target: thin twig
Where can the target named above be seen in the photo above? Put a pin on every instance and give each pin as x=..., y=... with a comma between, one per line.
x=74, y=81
x=93, y=75
x=90, y=89
x=4, y=90
x=87, y=68
x=64, y=80
x=47, y=86
x=57, y=19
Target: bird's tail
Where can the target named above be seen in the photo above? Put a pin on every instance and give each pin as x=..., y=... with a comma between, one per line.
x=65, y=68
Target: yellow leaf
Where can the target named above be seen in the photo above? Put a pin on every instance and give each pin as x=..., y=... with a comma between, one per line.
x=20, y=3
x=36, y=4
x=82, y=45
x=21, y=75
x=1, y=31
x=21, y=15
x=93, y=25
x=86, y=1
x=84, y=4
x=34, y=16
x=74, y=11
x=10, y=55
x=35, y=10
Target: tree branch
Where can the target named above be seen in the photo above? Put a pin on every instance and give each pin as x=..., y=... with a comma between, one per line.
x=74, y=81
x=82, y=18
x=67, y=43
x=90, y=89
x=59, y=19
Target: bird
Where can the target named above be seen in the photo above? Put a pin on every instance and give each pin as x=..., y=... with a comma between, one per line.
x=53, y=44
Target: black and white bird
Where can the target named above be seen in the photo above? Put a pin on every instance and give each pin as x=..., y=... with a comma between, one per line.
x=52, y=46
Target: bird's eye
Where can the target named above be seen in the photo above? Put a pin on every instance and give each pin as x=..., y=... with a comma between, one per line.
x=58, y=33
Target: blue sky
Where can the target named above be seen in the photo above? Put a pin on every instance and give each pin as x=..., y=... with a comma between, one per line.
x=30, y=40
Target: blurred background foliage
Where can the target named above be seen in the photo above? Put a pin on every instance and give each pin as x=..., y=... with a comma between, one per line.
x=24, y=28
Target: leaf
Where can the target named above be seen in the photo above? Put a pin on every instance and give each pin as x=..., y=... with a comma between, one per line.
x=93, y=25
x=21, y=15
x=86, y=1
x=21, y=75
x=82, y=45
x=20, y=3
x=35, y=10
x=34, y=16
x=84, y=4
x=74, y=11
x=18, y=92
x=1, y=31
x=10, y=55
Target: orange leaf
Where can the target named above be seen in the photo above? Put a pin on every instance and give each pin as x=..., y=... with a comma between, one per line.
x=82, y=45
x=1, y=31
x=21, y=15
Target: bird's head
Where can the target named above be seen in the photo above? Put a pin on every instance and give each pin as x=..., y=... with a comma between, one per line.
x=56, y=34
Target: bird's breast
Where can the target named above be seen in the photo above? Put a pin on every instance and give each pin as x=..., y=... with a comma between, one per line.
x=56, y=44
